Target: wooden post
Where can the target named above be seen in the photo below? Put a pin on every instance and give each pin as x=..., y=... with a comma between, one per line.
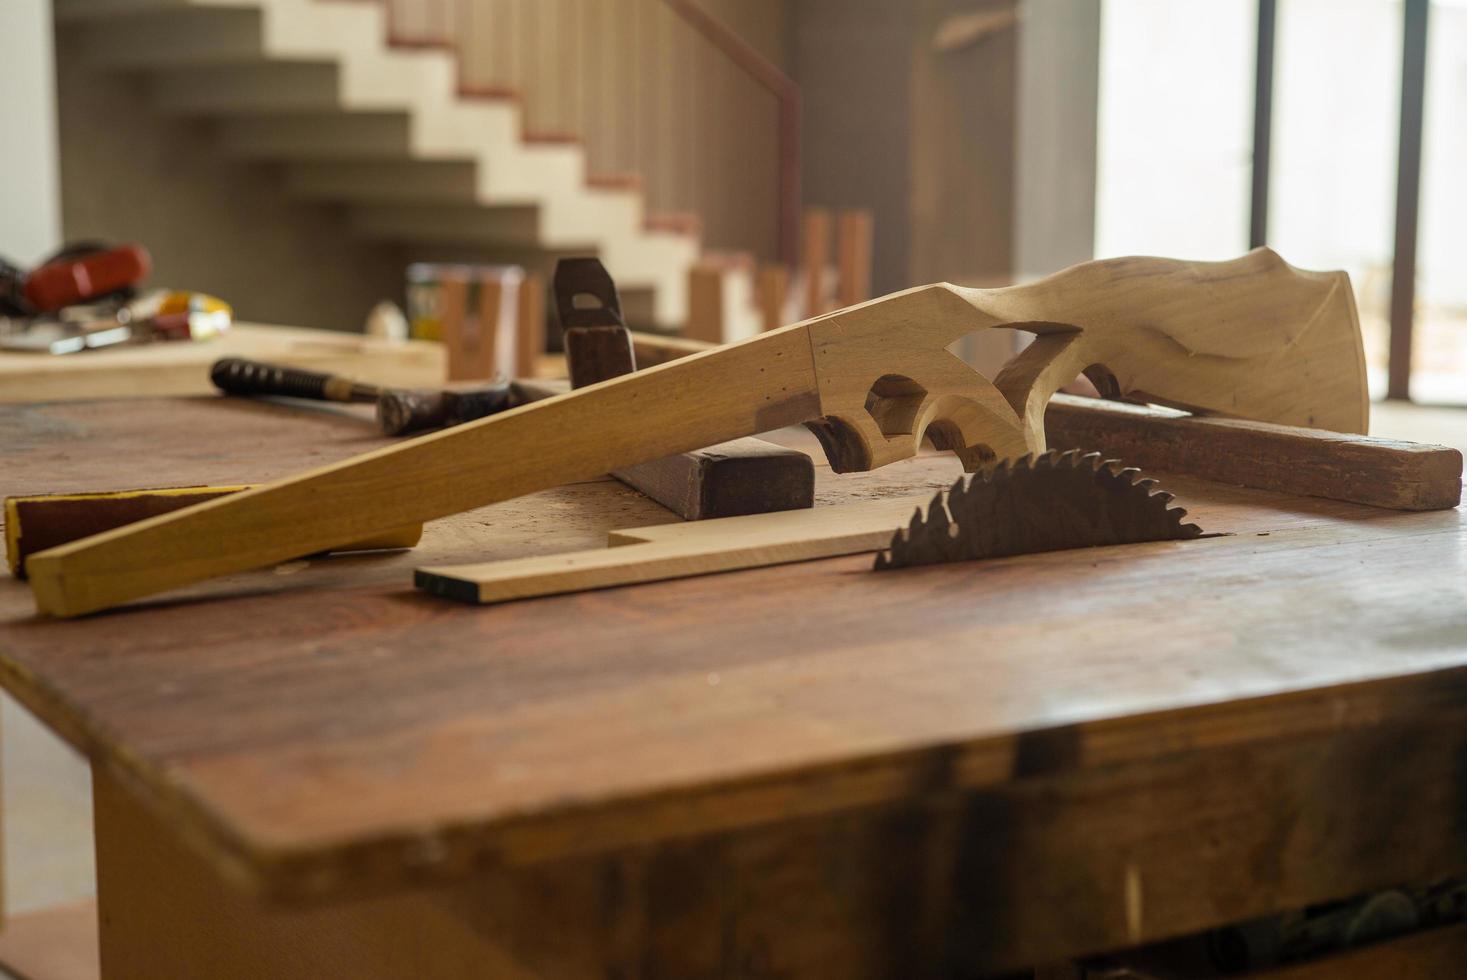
x=853, y=256
x=814, y=257
x=530, y=321
x=705, y=303
x=773, y=293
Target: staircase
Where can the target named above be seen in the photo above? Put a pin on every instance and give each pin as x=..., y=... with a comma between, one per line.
x=314, y=88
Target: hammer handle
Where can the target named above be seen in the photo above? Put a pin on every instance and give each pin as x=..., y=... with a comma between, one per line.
x=239, y=376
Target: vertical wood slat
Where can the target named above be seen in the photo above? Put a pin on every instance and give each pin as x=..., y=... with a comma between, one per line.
x=705, y=303
x=853, y=234
x=814, y=257
x=644, y=91
x=773, y=294
x=530, y=325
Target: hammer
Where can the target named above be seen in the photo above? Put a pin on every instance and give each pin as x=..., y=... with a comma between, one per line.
x=399, y=410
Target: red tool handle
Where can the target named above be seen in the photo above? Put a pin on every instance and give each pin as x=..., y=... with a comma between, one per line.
x=67, y=281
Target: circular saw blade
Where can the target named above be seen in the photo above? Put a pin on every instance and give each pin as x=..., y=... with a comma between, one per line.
x=1050, y=502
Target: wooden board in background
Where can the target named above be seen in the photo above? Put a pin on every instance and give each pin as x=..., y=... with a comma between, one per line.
x=155, y=370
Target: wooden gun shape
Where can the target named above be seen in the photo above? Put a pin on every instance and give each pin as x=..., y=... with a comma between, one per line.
x=1252, y=338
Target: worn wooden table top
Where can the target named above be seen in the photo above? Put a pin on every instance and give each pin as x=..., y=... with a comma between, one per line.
x=321, y=727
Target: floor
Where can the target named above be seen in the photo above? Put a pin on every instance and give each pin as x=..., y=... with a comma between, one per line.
x=47, y=799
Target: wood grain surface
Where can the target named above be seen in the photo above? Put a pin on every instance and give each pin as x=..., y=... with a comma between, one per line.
x=348, y=734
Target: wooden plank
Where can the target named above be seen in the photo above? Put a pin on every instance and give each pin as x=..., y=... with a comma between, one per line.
x=157, y=370
x=656, y=554
x=653, y=349
x=874, y=401
x=1307, y=462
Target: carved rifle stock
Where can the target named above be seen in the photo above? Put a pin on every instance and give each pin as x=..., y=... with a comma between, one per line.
x=1252, y=338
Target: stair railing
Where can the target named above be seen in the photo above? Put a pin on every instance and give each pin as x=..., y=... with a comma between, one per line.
x=657, y=92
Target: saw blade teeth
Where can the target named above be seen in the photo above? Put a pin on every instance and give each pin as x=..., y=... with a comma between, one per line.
x=1038, y=502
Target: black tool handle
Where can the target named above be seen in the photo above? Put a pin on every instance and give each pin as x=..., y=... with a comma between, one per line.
x=239, y=376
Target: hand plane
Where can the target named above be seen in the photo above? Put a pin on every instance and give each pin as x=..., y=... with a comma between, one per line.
x=1252, y=338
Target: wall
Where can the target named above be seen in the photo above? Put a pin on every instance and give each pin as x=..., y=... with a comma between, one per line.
x=212, y=223
x=1059, y=57
x=643, y=91
x=921, y=134
x=30, y=219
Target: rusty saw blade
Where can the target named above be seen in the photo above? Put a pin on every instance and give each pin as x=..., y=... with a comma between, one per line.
x=1049, y=502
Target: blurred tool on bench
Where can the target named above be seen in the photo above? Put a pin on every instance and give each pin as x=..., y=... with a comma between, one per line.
x=731, y=479
x=86, y=296
x=399, y=410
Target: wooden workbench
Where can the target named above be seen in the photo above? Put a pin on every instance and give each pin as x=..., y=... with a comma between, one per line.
x=315, y=770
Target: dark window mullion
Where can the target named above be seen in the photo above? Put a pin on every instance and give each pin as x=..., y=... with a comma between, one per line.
x=1408, y=197
x=1262, y=122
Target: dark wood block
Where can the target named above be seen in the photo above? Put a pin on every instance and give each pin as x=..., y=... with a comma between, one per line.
x=1284, y=458
x=745, y=476
x=598, y=353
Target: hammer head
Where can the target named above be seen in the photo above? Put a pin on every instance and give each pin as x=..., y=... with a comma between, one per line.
x=400, y=411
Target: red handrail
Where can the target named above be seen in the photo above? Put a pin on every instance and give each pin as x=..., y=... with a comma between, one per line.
x=748, y=59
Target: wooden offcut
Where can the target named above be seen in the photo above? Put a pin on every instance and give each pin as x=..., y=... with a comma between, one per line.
x=39, y=521
x=1253, y=337
x=653, y=554
x=744, y=476
x=1306, y=462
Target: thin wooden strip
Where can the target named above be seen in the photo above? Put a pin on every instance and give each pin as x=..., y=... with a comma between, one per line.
x=702, y=548
x=1287, y=459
